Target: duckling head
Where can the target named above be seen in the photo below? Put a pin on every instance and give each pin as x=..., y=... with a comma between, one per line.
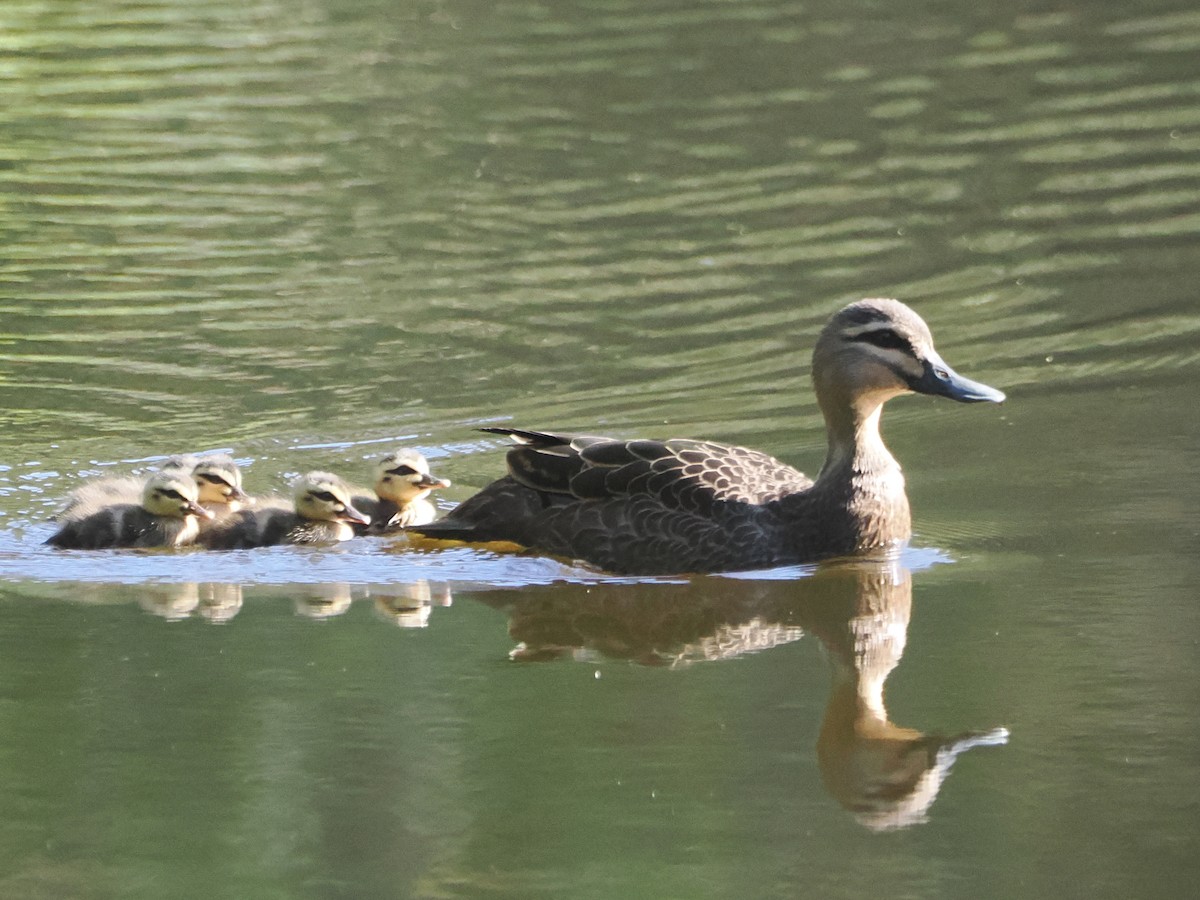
x=403, y=477
x=173, y=494
x=874, y=350
x=219, y=480
x=324, y=497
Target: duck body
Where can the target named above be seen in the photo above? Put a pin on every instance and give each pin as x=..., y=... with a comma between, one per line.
x=321, y=512
x=680, y=505
x=272, y=525
x=166, y=517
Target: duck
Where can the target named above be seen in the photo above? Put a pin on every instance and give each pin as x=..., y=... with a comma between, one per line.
x=217, y=477
x=402, y=485
x=166, y=516
x=676, y=506
x=320, y=512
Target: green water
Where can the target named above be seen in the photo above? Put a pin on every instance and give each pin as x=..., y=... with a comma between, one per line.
x=308, y=231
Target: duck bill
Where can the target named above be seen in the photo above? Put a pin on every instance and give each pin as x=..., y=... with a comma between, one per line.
x=940, y=380
x=195, y=509
x=353, y=516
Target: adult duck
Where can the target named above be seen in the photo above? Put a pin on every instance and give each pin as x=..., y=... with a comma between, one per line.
x=680, y=505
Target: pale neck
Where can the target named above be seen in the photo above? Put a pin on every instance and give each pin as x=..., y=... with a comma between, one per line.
x=855, y=444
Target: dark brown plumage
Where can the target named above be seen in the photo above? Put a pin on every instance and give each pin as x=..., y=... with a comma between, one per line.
x=652, y=507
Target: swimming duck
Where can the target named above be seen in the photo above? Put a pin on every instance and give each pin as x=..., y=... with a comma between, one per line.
x=655, y=507
x=166, y=517
x=402, y=484
x=321, y=512
x=217, y=477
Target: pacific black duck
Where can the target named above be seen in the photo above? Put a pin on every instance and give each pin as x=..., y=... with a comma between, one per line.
x=680, y=505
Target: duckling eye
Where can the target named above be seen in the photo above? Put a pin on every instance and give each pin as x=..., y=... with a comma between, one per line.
x=170, y=492
x=213, y=479
x=324, y=495
x=402, y=470
x=885, y=339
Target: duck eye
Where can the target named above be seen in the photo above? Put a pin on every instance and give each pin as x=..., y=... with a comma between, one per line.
x=169, y=492
x=324, y=495
x=885, y=339
x=212, y=479
x=402, y=470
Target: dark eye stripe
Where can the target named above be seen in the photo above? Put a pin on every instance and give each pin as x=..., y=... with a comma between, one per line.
x=324, y=495
x=402, y=470
x=213, y=479
x=171, y=492
x=885, y=339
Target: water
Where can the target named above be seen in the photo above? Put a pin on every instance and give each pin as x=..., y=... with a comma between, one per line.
x=308, y=231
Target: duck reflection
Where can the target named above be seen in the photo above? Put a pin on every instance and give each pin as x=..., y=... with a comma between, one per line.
x=886, y=775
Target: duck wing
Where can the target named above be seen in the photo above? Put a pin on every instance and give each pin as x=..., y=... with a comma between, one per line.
x=680, y=473
x=630, y=506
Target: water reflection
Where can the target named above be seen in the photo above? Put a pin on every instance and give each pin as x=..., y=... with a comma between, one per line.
x=410, y=605
x=885, y=774
x=403, y=605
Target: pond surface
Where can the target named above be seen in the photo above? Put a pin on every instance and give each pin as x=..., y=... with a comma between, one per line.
x=309, y=231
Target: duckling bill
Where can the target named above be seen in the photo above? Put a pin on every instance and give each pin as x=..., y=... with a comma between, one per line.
x=683, y=505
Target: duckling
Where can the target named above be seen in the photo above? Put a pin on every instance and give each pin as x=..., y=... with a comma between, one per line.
x=219, y=481
x=217, y=477
x=321, y=512
x=657, y=507
x=402, y=484
x=166, y=517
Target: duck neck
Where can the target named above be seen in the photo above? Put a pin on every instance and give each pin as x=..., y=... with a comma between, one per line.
x=856, y=448
x=860, y=483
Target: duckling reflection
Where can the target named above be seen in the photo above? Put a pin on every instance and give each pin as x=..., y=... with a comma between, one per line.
x=324, y=601
x=219, y=602
x=214, y=603
x=886, y=775
x=173, y=602
x=410, y=605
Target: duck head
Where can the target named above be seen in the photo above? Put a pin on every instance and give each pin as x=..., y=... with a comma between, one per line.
x=403, y=477
x=219, y=481
x=174, y=495
x=324, y=497
x=874, y=350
